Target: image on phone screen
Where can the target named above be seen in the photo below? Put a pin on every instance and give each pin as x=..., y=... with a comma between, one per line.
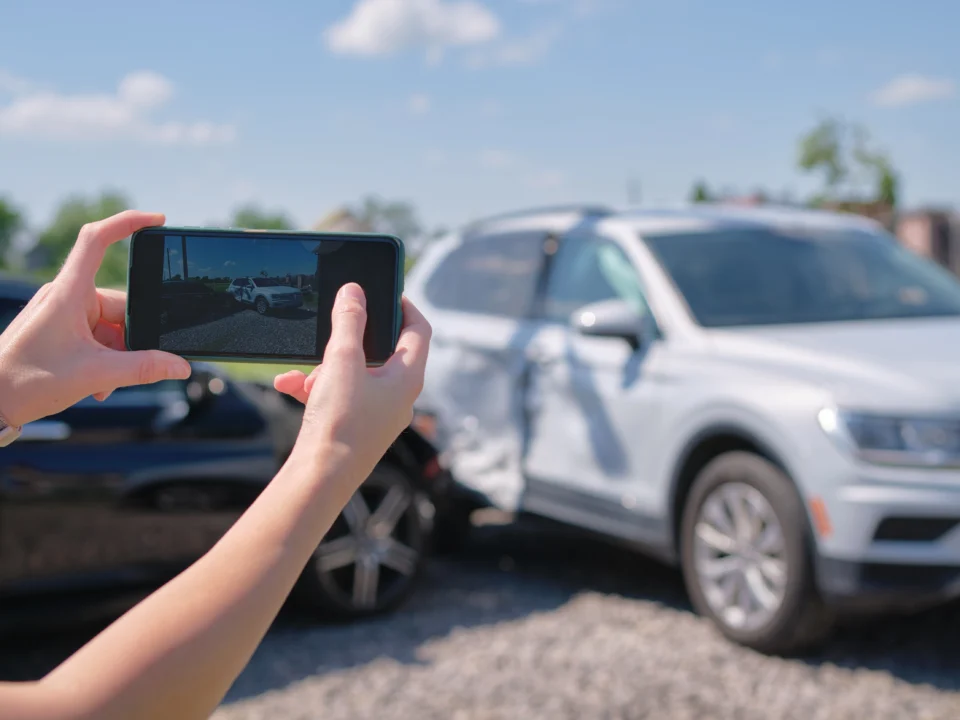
x=246, y=295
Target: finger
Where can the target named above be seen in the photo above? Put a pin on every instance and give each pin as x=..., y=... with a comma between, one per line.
x=349, y=318
x=143, y=367
x=113, y=306
x=414, y=342
x=292, y=383
x=101, y=396
x=94, y=239
x=109, y=335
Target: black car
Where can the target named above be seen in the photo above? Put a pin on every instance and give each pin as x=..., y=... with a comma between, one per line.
x=131, y=490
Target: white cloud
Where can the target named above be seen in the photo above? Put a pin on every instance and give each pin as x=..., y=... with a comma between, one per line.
x=908, y=89
x=519, y=51
x=418, y=104
x=125, y=113
x=230, y=263
x=384, y=27
x=497, y=159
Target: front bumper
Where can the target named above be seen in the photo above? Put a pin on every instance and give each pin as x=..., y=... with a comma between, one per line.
x=895, y=539
x=285, y=301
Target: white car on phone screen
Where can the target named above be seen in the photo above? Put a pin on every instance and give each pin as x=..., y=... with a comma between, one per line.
x=265, y=294
x=769, y=398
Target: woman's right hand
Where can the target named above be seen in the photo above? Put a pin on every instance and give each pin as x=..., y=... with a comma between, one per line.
x=354, y=413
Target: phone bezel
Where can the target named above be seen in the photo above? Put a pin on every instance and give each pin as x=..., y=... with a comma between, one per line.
x=144, y=282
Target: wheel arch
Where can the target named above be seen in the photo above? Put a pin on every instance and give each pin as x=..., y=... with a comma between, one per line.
x=706, y=444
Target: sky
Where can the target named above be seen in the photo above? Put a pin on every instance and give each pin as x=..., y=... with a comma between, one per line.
x=462, y=107
x=233, y=258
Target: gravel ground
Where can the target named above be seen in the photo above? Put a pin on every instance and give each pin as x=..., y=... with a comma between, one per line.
x=539, y=624
x=280, y=332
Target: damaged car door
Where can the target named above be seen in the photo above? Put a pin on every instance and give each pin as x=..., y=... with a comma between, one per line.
x=479, y=297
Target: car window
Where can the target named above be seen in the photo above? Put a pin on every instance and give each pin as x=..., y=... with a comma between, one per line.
x=745, y=276
x=493, y=275
x=587, y=270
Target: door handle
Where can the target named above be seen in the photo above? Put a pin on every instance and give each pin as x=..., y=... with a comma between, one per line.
x=44, y=431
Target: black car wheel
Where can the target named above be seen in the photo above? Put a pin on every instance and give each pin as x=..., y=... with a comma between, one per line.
x=369, y=561
x=746, y=556
x=262, y=305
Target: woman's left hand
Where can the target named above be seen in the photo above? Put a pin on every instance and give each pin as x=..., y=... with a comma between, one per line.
x=68, y=342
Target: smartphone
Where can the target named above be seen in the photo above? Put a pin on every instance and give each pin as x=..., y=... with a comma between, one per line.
x=258, y=296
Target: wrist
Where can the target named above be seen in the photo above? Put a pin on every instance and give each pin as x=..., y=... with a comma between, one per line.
x=327, y=463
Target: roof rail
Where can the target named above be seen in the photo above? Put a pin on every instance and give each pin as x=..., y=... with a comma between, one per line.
x=583, y=209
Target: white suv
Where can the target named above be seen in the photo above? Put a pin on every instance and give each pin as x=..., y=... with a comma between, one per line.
x=265, y=294
x=768, y=398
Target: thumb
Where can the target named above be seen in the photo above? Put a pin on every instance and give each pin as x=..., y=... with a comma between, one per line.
x=143, y=367
x=349, y=319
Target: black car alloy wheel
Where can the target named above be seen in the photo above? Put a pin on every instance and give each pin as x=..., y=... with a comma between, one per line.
x=369, y=561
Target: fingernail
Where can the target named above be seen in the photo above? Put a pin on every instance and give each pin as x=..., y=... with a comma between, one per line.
x=351, y=292
x=180, y=370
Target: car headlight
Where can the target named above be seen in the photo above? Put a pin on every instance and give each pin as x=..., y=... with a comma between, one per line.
x=893, y=440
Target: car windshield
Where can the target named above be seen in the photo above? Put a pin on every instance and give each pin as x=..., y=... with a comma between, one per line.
x=265, y=282
x=735, y=277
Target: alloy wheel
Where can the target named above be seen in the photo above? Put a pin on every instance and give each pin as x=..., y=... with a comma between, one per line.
x=374, y=549
x=740, y=556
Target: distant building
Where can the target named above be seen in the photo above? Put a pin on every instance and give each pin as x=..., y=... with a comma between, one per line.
x=932, y=233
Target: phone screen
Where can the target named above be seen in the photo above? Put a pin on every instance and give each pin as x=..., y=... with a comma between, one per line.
x=255, y=294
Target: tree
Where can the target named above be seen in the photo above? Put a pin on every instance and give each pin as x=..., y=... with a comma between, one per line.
x=75, y=212
x=700, y=192
x=822, y=150
x=393, y=218
x=850, y=167
x=11, y=222
x=251, y=217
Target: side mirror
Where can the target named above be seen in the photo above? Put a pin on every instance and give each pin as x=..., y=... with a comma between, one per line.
x=614, y=319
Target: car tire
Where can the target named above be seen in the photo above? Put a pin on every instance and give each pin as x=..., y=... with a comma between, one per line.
x=773, y=577
x=452, y=529
x=262, y=305
x=390, y=558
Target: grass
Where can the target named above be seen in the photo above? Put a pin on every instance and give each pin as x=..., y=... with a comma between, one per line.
x=263, y=372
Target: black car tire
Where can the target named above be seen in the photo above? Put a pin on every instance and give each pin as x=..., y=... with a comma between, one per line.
x=452, y=528
x=335, y=589
x=802, y=621
x=262, y=305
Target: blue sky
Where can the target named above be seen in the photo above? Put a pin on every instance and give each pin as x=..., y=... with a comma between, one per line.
x=233, y=258
x=464, y=107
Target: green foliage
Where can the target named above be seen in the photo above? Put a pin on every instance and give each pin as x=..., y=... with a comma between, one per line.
x=888, y=190
x=822, y=150
x=842, y=153
x=700, y=192
x=75, y=212
x=11, y=222
x=251, y=217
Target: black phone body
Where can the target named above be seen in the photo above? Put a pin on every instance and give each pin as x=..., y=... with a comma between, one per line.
x=258, y=296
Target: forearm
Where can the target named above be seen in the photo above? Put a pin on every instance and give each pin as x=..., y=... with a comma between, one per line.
x=177, y=653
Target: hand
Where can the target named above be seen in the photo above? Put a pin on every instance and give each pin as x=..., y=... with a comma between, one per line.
x=68, y=342
x=353, y=413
